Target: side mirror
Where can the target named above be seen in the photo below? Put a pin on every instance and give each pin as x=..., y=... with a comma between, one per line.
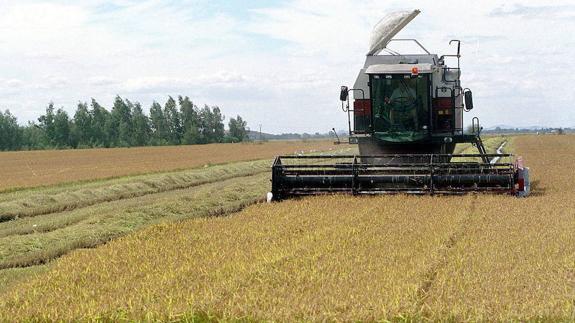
x=343, y=94
x=468, y=100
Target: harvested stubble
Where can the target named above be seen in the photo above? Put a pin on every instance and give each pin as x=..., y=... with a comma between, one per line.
x=36, y=168
x=491, y=144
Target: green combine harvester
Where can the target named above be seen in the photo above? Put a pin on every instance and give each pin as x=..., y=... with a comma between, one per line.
x=407, y=118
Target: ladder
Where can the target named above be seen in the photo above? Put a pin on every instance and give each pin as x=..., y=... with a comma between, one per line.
x=476, y=129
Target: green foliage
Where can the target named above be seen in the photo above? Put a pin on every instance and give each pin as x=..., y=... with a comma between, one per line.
x=56, y=127
x=10, y=134
x=82, y=129
x=141, y=126
x=33, y=137
x=47, y=124
x=61, y=137
x=173, y=121
x=121, y=123
x=126, y=125
x=190, y=121
x=159, y=124
x=238, y=130
x=100, y=119
x=211, y=125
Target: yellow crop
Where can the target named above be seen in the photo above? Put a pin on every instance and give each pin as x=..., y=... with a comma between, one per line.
x=475, y=257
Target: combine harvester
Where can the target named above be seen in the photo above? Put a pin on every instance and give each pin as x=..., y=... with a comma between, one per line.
x=407, y=119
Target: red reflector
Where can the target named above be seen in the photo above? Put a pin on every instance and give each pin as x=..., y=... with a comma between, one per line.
x=414, y=70
x=521, y=184
x=442, y=103
x=362, y=107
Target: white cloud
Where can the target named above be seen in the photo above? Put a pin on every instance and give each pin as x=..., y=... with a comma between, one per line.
x=11, y=83
x=279, y=66
x=102, y=81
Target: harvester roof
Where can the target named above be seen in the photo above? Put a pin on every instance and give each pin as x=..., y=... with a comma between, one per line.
x=397, y=68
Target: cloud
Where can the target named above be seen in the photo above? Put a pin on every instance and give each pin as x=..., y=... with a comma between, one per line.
x=53, y=83
x=280, y=63
x=11, y=83
x=102, y=81
x=536, y=12
x=163, y=84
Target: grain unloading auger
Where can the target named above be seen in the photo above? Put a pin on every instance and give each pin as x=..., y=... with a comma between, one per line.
x=407, y=119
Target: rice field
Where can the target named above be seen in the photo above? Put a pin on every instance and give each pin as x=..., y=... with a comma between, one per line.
x=30, y=203
x=42, y=168
x=469, y=258
x=39, y=239
x=41, y=224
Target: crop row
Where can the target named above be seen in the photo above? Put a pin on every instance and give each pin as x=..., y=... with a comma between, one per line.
x=36, y=240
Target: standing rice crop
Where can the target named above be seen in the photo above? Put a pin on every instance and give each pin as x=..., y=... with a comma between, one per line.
x=320, y=258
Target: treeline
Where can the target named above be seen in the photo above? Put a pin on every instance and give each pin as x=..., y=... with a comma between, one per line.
x=125, y=125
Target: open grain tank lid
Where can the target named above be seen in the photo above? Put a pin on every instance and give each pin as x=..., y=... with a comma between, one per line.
x=388, y=27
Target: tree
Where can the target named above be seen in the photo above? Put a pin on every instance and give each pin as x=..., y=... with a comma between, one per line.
x=61, y=129
x=190, y=122
x=238, y=130
x=173, y=121
x=101, y=118
x=141, y=123
x=159, y=125
x=121, y=124
x=56, y=126
x=204, y=125
x=211, y=125
x=126, y=124
x=82, y=130
x=10, y=133
x=217, y=123
x=47, y=124
x=33, y=137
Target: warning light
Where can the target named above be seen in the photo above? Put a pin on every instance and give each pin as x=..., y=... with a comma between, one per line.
x=414, y=71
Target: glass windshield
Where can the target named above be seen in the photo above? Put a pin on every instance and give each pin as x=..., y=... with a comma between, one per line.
x=400, y=106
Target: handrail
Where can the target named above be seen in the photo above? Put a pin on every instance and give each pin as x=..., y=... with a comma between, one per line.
x=411, y=39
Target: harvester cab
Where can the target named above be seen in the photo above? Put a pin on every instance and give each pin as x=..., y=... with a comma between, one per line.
x=407, y=118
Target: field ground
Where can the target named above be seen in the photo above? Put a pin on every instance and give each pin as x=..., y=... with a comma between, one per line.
x=42, y=223
x=476, y=257
x=39, y=168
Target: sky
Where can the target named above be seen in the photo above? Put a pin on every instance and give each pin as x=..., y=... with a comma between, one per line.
x=278, y=63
